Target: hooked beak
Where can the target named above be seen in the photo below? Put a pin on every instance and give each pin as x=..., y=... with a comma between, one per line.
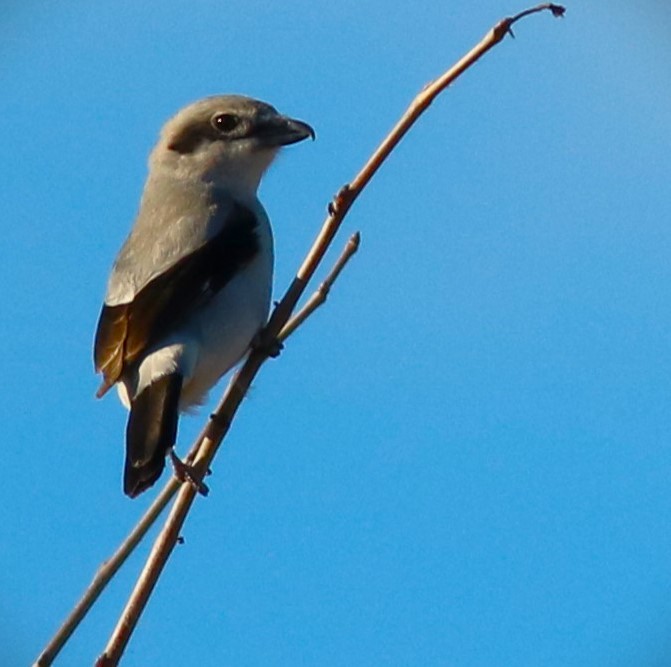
x=282, y=131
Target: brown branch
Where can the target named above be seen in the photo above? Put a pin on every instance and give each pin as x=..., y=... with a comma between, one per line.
x=238, y=388
x=278, y=328
x=111, y=566
x=217, y=428
x=104, y=574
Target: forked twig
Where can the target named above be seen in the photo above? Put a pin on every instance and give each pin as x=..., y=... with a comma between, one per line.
x=216, y=429
x=279, y=326
x=111, y=566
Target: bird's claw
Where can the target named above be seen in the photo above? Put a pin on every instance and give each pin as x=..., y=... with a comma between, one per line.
x=274, y=348
x=271, y=347
x=186, y=473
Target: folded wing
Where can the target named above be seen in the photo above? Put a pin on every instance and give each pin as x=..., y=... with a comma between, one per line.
x=126, y=330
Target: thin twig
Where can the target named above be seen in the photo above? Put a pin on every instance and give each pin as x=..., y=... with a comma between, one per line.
x=216, y=429
x=111, y=566
x=320, y=295
x=105, y=573
x=237, y=390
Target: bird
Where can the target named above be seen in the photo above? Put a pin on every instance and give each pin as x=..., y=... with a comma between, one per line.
x=191, y=285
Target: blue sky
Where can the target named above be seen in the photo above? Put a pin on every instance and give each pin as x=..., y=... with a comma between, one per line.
x=465, y=458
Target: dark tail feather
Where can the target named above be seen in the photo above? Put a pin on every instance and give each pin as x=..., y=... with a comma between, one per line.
x=150, y=433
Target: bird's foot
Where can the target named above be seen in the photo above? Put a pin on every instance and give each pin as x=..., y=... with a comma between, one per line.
x=187, y=473
x=271, y=347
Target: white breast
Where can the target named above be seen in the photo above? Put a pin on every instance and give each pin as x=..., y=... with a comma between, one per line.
x=230, y=322
x=218, y=335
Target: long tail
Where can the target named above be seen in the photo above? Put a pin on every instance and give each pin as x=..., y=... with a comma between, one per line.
x=151, y=432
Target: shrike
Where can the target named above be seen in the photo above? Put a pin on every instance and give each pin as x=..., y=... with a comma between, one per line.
x=191, y=285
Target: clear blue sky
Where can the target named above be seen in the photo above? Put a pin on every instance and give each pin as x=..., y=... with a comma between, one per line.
x=464, y=460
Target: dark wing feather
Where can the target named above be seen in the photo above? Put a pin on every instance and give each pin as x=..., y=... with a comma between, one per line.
x=126, y=330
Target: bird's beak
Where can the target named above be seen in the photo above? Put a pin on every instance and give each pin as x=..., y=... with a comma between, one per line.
x=282, y=131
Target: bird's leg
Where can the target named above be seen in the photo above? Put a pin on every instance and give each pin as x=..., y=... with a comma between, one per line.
x=186, y=473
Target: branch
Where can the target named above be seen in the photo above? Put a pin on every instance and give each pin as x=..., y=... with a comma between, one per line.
x=111, y=566
x=278, y=329
x=237, y=389
x=104, y=574
x=217, y=428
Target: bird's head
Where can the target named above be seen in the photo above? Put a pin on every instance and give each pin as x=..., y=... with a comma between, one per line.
x=229, y=140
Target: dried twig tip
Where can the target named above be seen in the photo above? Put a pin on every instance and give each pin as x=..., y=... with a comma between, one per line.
x=557, y=10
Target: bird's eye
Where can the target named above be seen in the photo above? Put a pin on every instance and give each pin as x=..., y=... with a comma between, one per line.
x=225, y=122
